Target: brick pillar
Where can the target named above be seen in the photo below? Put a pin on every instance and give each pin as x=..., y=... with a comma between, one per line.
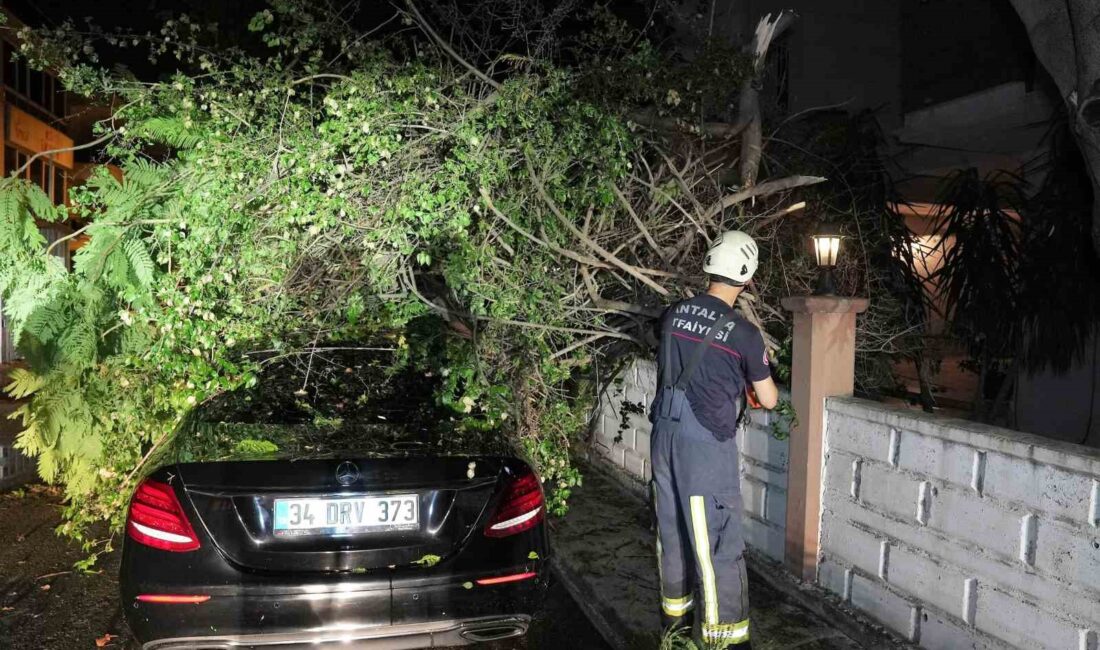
x=822, y=365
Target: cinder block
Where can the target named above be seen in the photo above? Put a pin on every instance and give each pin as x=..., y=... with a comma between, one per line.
x=1069, y=553
x=834, y=576
x=776, y=511
x=857, y=547
x=942, y=632
x=888, y=608
x=764, y=537
x=642, y=440
x=889, y=490
x=760, y=418
x=1022, y=623
x=1042, y=487
x=858, y=437
x=928, y=578
x=759, y=445
x=956, y=512
x=636, y=395
x=764, y=473
x=936, y=457
x=626, y=436
x=838, y=473
x=646, y=375
x=634, y=463
x=607, y=431
x=754, y=494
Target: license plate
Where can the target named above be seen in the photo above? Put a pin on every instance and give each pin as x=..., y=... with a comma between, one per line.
x=347, y=515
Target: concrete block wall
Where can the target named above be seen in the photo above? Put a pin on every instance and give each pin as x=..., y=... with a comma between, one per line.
x=960, y=535
x=621, y=438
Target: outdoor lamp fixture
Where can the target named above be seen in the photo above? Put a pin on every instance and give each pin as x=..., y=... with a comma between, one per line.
x=826, y=250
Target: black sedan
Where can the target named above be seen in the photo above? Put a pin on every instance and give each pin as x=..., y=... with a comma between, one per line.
x=341, y=533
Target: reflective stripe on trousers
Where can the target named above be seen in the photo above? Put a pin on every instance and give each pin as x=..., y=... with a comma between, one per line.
x=698, y=506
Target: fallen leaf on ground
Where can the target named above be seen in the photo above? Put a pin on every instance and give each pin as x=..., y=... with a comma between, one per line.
x=7, y=609
x=102, y=641
x=45, y=587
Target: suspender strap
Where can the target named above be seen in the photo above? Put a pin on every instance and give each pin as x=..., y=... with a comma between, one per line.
x=666, y=370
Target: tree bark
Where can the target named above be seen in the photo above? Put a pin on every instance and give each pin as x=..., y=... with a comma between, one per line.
x=1065, y=35
x=748, y=110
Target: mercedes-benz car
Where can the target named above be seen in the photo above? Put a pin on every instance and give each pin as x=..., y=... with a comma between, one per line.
x=309, y=530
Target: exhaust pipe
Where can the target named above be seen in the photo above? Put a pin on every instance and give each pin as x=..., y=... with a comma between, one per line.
x=494, y=630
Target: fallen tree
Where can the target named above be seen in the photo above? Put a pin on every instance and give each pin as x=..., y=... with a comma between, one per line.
x=503, y=226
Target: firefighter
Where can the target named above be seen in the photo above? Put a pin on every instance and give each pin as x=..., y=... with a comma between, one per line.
x=708, y=360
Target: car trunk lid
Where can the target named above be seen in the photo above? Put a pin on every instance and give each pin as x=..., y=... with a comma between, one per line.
x=235, y=502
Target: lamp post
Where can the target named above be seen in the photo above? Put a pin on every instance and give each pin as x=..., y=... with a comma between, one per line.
x=826, y=250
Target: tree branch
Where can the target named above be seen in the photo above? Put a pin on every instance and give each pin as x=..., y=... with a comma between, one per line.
x=580, y=259
x=600, y=250
x=50, y=152
x=446, y=47
x=763, y=189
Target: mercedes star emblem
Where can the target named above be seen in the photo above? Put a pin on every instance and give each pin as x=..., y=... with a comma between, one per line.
x=347, y=473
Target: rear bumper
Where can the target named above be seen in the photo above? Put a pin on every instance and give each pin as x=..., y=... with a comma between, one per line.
x=439, y=634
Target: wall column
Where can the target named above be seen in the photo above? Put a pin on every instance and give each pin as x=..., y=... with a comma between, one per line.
x=822, y=365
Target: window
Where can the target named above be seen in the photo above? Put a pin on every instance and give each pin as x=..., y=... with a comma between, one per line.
x=10, y=165
x=58, y=187
x=40, y=89
x=11, y=66
x=42, y=172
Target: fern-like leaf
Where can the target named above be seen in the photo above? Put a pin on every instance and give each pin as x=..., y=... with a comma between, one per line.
x=23, y=383
x=140, y=262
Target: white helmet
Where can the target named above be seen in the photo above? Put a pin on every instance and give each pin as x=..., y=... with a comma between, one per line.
x=734, y=256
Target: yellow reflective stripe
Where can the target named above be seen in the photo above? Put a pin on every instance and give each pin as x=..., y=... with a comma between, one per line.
x=730, y=632
x=702, y=551
x=677, y=606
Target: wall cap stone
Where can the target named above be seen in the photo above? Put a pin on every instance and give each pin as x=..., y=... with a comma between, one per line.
x=1066, y=455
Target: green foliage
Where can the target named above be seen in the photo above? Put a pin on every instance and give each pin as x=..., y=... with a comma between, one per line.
x=428, y=561
x=784, y=419
x=292, y=202
x=255, y=448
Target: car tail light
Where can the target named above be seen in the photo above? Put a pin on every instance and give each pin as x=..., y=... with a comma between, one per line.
x=173, y=599
x=521, y=508
x=157, y=519
x=506, y=579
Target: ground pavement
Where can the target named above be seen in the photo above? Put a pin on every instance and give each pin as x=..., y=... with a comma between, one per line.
x=604, y=553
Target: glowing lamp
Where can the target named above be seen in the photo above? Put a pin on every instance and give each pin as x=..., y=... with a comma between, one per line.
x=826, y=250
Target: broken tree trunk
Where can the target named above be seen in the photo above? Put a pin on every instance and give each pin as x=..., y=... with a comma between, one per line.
x=748, y=111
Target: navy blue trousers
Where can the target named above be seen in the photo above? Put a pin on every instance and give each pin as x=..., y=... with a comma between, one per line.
x=700, y=546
